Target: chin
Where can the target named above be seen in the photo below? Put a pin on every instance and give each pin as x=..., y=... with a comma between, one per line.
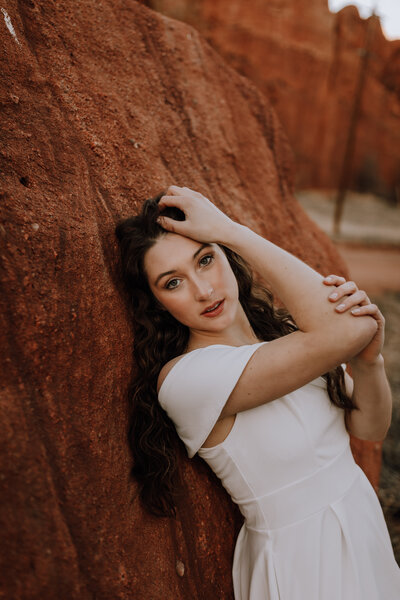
x=219, y=324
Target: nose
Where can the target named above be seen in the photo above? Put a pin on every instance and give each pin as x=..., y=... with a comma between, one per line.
x=203, y=290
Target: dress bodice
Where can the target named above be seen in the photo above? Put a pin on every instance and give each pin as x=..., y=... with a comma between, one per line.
x=313, y=525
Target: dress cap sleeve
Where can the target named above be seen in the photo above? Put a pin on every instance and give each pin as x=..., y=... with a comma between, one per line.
x=197, y=387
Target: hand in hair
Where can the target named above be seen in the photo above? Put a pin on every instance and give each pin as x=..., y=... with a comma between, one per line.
x=204, y=222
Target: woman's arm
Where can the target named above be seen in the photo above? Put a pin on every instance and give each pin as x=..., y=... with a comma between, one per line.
x=368, y=387
x=372, y=396
x=297, y=285
x=325, y=337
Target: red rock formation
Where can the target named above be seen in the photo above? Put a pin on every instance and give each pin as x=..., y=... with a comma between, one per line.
x=104, y=104
x=307, y=60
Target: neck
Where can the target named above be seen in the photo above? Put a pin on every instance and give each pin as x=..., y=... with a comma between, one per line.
x=239, y=333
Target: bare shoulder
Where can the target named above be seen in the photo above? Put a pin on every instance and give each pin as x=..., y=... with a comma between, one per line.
x=166, y=369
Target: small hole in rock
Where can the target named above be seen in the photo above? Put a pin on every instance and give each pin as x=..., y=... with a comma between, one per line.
x=25, y=181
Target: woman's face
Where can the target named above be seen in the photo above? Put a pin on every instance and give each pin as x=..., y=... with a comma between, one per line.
x=193, y=281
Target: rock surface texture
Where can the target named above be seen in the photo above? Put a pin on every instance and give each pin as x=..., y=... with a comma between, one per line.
x=104, y=104
x=307, y=61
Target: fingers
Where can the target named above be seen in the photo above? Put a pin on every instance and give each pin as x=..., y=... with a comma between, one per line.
x=176, y=190
x=333, y=280
x=170, y=201
x=349, y=287
x=348, y=296
x=171, y=225
x=178, y=197
x=369, y=309
x=350, y=290
x=358, y=298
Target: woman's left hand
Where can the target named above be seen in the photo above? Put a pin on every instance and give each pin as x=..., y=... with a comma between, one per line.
x=359, y=304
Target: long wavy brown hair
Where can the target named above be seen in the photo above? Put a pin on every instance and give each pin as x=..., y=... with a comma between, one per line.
x=159, y=337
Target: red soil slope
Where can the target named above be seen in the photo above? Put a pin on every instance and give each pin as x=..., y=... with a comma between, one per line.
x=306, y=60
x=104, y=104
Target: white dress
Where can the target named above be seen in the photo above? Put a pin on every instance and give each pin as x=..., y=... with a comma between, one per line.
x=314, y=528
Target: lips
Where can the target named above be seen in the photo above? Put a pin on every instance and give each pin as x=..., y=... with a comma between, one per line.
x=214, y=309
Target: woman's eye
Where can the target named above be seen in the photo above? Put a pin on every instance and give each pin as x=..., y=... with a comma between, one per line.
x=172, y=284
x=205, y=260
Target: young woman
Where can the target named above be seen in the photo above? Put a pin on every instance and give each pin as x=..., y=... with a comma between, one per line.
x=261, y=395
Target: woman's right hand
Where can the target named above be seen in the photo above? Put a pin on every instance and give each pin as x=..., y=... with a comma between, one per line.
x=204, y=222
x=359, y=305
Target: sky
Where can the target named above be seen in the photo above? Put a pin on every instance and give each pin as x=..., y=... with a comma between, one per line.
x=387, y=10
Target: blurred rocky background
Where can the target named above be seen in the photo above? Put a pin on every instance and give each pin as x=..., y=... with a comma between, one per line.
x=102, y=105
x=308, y=62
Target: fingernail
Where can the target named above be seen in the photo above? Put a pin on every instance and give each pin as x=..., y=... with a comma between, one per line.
x=333, y=296
x=341, y=307
x=328, y=278
x=355, y=311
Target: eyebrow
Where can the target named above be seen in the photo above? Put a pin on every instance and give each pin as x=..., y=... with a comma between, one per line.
x=174, y=270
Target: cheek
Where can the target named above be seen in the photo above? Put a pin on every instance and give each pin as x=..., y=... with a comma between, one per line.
x=176, y=304
x=228, y=279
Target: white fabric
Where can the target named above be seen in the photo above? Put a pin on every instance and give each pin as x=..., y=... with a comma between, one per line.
x=197, y=387
x=314, y=528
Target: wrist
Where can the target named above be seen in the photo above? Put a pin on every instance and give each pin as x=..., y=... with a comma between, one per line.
x=231, y=234
x=358, y=364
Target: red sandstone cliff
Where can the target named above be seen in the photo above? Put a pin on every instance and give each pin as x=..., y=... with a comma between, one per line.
x=104, y=104
x=306, y=60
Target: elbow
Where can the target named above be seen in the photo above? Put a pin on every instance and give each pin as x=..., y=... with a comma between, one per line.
x=366, y=427
x=373, y=437
x=358, y=334
x=367, y=328
x=376, y=435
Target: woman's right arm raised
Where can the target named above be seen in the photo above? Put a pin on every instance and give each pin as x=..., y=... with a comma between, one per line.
x=325, y=338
